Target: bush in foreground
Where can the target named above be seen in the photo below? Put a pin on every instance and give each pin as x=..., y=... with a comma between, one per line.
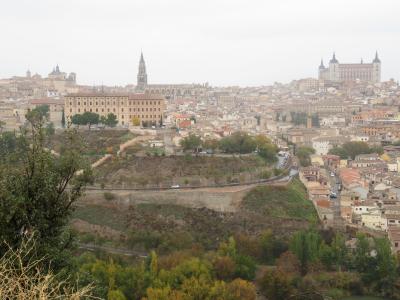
x=24, y=279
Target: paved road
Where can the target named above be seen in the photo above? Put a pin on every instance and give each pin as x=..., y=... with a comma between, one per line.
x=335, y=202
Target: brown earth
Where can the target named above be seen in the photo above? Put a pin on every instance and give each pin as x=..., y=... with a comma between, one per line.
x=96, y=142
x=133, y=171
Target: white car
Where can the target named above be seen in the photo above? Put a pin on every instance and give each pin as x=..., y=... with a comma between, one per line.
x=332, y=174
x=175, y=186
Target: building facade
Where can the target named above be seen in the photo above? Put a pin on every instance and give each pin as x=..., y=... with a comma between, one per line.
x=370, y=72
x=148, y=109
x=170, y=91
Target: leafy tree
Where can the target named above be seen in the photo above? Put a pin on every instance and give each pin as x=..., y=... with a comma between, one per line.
x=326, y=255
x=87, y=118
x=191, y=142
x=111, y=120
x=50, y=129
x=261, y=140
x=339, y=151
x=238, y=142
x=267, y=244
x=352, y=149
x=153, y=264
x=355, y=148
x=385, y=272
x=245, y=267
x=268, y=152
x=224, y=267
x=34, y=199
x=8, y=144
x=195, y=288
x=303, y=153
x=90, y=118
x=228, y=248
x=305, y=245
x=275, y=285
x=116, y=295
x=2, y=125
x=334, y=254
x=77, y=120
x=135, y=121
x=210, y=144
x=63, y=119
x=241, y=289
x=163, y=294
x=339, y=251
x=238, y=289
x=288, y=263
x=362, y=259
x=39, y=113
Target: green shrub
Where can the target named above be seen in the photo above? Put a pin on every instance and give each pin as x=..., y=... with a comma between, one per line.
x=265, y=174
x=109, y=196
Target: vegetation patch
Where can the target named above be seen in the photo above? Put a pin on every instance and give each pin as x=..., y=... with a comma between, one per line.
x=281, y=202
x=100, y=215
x=164, y=171
x=96, y=143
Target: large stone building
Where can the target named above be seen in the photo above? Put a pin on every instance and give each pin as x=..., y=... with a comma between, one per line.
x=370, y=72
x=148, y=109
x=170, y=91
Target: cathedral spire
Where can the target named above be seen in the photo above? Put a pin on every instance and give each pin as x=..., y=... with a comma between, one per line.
x=376, y=60
x=142, y=75
x=321, y=66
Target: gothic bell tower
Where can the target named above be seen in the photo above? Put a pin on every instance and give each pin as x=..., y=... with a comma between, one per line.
x=142, y=75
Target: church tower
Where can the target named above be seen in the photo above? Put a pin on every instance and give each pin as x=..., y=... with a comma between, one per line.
x=334, y=74
x=321, y=70
x=142, y=75
x=376, y=65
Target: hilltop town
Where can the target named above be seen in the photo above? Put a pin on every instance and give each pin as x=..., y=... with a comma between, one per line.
x=251, y=161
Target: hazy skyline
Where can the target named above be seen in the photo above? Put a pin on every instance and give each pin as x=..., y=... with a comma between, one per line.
x=224, y=42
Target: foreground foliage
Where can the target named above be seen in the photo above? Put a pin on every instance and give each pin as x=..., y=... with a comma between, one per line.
x=38, y=190
x=24, y=278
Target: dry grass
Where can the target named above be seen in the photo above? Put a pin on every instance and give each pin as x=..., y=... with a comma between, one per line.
x=23, y=279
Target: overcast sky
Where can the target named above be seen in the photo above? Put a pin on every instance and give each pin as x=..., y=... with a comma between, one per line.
x=223, y=42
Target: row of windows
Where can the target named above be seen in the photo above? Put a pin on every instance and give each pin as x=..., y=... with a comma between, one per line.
x=113, y=110
x=122, y=103
x=112, y=98
x=142, y=116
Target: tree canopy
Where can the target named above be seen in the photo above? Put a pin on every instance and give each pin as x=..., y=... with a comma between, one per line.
x=34, y=199
x=303, y=153
x=191, y=142
x=352, y=149
x=238, y=142
x=87, y=118
x=110, y=121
